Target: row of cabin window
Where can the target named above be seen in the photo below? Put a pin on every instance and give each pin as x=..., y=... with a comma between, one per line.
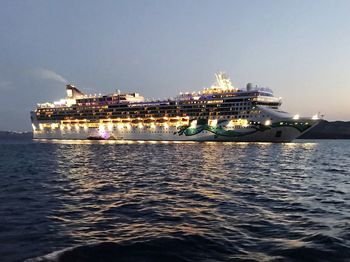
x=89, y=111
x=221, y=117
x=150, y=108
x=159, y=112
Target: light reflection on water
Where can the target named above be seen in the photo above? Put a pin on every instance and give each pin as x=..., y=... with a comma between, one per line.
x=257, y=201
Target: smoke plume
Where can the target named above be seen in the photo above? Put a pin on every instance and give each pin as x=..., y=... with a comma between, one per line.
x=47, y=74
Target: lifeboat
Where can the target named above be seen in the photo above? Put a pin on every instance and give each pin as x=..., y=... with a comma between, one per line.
x=136, y=121
x=148, y=120
x=161, y=120
x=126, y=120
x=173, y=120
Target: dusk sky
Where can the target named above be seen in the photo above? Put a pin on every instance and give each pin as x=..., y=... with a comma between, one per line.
x=300, y=49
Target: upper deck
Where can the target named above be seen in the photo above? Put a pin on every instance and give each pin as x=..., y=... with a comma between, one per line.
x=220, y=92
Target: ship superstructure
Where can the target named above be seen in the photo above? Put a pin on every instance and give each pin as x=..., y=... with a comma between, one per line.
x=219, y=113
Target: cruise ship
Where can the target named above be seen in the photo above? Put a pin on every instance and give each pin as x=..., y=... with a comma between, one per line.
x=218, y=113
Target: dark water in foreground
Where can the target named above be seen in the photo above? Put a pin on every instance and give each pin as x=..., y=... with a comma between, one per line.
x=175, y=202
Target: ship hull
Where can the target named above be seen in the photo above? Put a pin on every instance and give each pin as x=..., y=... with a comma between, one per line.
x=277, y=134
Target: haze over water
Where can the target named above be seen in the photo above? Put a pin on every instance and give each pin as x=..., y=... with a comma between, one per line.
x=175, y=201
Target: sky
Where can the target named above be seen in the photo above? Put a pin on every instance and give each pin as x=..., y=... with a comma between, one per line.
x=300, y=49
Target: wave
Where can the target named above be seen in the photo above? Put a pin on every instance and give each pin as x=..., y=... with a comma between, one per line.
x=191, y=248
x=187, y=249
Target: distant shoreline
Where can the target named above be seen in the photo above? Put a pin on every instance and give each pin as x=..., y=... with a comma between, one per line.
x=324, y=130
x=329, y=130
x=15, y=135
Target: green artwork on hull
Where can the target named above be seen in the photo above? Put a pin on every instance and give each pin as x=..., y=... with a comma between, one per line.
x=187, y=130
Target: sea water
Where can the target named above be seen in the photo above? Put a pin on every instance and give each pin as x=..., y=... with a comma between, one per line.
x=152, y=201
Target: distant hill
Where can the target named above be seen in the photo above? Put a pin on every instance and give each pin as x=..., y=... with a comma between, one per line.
x=329, y=130
x=324, y=130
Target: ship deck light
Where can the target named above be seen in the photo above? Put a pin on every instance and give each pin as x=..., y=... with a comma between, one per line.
x=193, y=124
x=268, y=122
x=296, y=117
x=213, y=122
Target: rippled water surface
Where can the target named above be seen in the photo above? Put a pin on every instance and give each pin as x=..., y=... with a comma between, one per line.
x=174, y=201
